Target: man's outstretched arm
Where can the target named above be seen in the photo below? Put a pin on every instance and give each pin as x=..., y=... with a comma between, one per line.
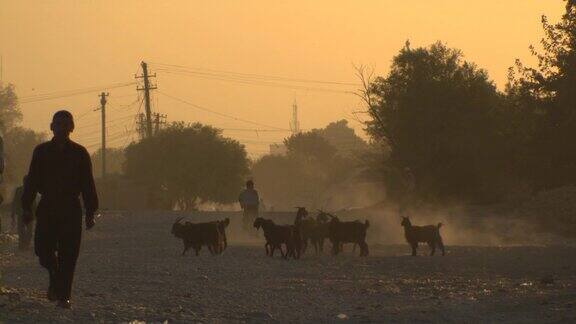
x=89, y=195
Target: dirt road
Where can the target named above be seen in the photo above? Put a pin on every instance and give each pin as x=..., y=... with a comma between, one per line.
x=130, y=269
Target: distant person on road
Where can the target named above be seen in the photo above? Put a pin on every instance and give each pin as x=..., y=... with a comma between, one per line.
x=24, y=229
x=60, y=171
x=249, y=202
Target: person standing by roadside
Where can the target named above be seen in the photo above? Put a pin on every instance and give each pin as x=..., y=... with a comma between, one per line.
x=24, y=229
x=60, y=171
x=249, y=201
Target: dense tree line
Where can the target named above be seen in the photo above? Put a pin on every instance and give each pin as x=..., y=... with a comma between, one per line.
x=319, y=165
x=19, y=142
x=446, y=133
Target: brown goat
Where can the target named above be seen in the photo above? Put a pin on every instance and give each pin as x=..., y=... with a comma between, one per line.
x=423, y=234
x=305, y=226
x=348, y=232
x=320, y=232
x=222, y=224
x=276, y=235
x=197, y=235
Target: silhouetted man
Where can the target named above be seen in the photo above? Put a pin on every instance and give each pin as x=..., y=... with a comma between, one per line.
x=24, y=229
x=60, y=171
x=249, y=202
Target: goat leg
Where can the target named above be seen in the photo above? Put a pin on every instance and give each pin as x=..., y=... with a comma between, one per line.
x=335, y=248
x=363, y=248
x=186, y=247
x=432, y=246
x=441, y=246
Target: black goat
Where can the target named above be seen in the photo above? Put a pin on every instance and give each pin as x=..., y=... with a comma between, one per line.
x=348, y=232
x=276, y=235
x=197, y=235
x=423, y=234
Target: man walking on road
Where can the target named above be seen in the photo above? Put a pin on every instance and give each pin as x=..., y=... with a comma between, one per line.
x=60, y=171
x=249, y=202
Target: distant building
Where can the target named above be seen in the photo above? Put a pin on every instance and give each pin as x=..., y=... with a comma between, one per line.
x=278, y=149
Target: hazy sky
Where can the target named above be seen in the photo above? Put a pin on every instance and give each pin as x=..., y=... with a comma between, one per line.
x=56, y=46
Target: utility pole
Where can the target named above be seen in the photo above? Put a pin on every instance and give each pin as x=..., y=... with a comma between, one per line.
x=294, y=123
x=103, y=96
x=141, y=121
x=158, y=121
x=147, y=87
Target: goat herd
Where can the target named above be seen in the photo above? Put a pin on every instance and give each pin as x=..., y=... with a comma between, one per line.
x=305, y=230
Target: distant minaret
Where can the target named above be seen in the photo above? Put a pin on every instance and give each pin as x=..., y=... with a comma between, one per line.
x=294, y=123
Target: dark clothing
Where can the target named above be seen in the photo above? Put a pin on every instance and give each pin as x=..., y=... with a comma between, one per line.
x=249, y=202
x=249, y=215
x=60, y=174
x=57, y=245
x=249, y=198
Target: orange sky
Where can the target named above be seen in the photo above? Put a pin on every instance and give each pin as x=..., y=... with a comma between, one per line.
x=53, y=46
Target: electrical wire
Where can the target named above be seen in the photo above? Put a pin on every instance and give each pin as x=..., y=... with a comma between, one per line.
x=257, y=76
x=219, y=113
x=206, y=76
x=70, y=93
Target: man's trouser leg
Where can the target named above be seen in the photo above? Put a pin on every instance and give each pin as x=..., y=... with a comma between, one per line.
x=57, y=245
x=45, y=246
x=249, y=216
x=68, y=250
x=245, y=221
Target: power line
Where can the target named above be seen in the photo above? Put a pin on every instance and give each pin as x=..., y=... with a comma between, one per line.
x=112, y=139
x=113, y=122
x=133, y=128
x=252, y=82
x=218, y=113
x=261, y=76
x=254, y=130
x=70, y=93
x=117, y=106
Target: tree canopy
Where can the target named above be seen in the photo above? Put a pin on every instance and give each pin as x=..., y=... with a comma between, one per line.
x=189, y=164
x=547, y=97
x=114, y=160
x=10, y=114
x=434, y=112
x=19, y=142
x=317, y=162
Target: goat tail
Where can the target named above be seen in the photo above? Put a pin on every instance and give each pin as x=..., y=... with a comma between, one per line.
x=440, y=225
x=367, y=223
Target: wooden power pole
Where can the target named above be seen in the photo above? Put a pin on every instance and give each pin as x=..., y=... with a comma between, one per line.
x=159, y=120
x=103, y=96
x=147, y=87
